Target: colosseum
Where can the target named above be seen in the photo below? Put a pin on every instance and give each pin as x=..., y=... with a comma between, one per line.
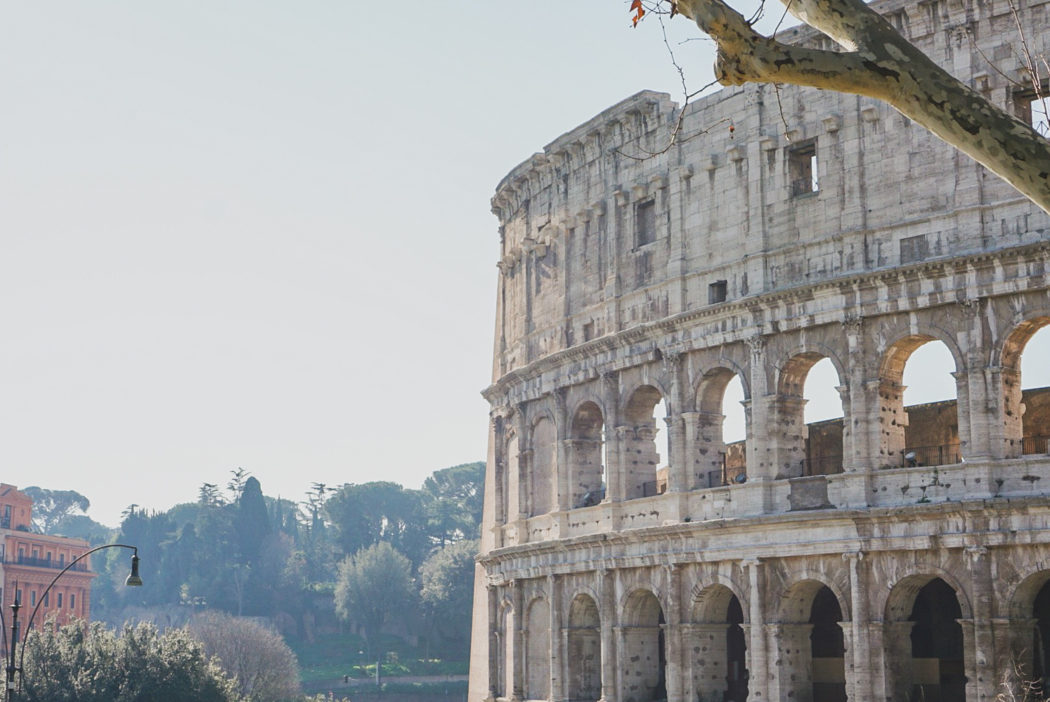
x=631, y=550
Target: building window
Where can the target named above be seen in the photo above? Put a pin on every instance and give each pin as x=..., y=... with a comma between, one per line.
x=716, y=292
x=32, y=598
x=1033, y=109
x=72, y=601
x=59, y=601
x=645, y=222
x=914, y=248
x=47, y=599
x=802, y=169
x=18, y=596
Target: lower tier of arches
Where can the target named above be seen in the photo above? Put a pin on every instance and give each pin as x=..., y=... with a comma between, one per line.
x=946, y=603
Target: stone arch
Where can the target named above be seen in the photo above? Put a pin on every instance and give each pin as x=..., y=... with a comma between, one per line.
x=797, y=453
x=543, y=466
x=1019, y=425
x=923, y=640
x=717, y=644
x=795, y=602
x=938, y=432
x=811, y=641
x=901, y=595
x=643, y=658
x=713, y=462
x=586, y=469
x=537, y=650
x=637, y=439
x=1029, y=627
x=584, y=648
x=708, y=600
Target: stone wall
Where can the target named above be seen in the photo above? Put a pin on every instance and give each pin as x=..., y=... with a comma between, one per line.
x=847, y=559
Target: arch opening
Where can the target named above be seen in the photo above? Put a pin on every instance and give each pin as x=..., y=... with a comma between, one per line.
x=719, y=648
x=587, y=464
x=641, y=456
x=720, y=457
x=584, y=652
x=1026, y=389
x=827, y=648
x=544, y=469
x=537, y=651
x=808, y=449
x=644, y=659
x=918, y=417
x=926, y=649
x=823, y=415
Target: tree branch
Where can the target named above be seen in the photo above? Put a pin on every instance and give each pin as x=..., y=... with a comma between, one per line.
x=881, y=64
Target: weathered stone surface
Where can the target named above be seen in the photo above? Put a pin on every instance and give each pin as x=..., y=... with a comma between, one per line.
x=891, y=550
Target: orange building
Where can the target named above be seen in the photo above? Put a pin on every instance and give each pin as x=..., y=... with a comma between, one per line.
x=30, y=562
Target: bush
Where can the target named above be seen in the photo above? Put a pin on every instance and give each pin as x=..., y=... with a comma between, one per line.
x=84, y=662
x=257, y=658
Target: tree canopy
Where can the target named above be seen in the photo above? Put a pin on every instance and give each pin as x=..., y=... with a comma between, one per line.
x=89, y=663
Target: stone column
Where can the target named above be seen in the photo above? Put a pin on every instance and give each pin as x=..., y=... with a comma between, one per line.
x=859, y=654
x=678, y=462
x=494, y=641
x=758, y=666
x=675, y=651
x=887, y=444
x=708, y=448
x=855, y=409
x=760, y=428
x=970, y=660
x=985, y=677
x=792, y=656
x=897, y=661
x=518, y=646
x=614, y=445
x=978, y=411
x=555, y=688
x=853, y=692
x=708, y=679
x=562, y=494
x=606, y=592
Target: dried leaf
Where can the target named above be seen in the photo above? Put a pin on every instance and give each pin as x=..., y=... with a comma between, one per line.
x=636, y=7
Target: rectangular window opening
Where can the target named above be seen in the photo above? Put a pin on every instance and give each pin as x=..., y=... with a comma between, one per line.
x=645, y=222
x=1034, y=108
x=914, y=248
x=802, y=169
x=59, y=601
x=716, y=292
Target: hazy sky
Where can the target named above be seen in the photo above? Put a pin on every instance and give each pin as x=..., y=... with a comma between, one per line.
x=257, y=234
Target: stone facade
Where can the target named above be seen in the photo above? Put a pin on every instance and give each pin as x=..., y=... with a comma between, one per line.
x=905, y=556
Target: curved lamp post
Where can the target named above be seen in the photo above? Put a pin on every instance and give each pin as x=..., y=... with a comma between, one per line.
x=133, y=580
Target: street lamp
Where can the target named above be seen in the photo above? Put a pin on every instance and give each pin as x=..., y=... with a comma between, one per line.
x=133, y=580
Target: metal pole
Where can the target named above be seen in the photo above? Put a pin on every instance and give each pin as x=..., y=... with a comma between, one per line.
x=15, y=606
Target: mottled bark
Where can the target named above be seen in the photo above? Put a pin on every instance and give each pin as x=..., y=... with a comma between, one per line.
x=879, y=63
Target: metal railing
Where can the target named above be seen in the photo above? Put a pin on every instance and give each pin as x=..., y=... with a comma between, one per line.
x=1035, y=445
x=943, y=455
x=45, y=563
x=822, y=465
x=651, y=488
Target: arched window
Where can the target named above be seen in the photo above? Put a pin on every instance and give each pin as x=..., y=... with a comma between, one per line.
x=587, y=460
x=544, y=469
x=641, y=458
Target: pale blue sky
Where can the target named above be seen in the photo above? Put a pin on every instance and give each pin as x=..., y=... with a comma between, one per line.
x=257, y=234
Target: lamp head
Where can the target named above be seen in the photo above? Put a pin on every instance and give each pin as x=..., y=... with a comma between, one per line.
x=134, y=580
